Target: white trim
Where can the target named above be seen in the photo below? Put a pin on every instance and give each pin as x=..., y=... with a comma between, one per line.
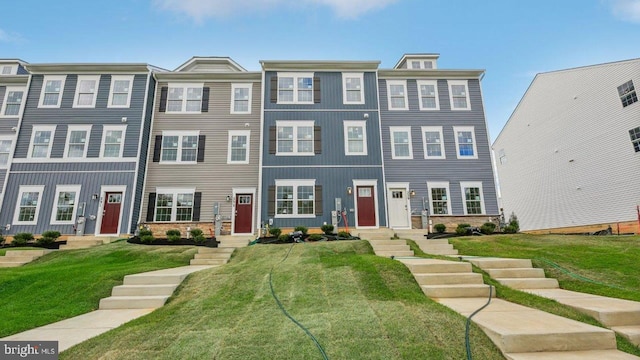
x=405, y=93
x=36, y=128
x=73, y=160
x=261, y=139
x=23, y=100
x=295, y=184
x=373, y=183
x=294, y=88
x=295, y=125
x=438, y=185
x=404, y=186
x=359, y=76
x=434, y=83
x=185, y=89
x=235, y=86
x=466, y=92
x=355, y=123
x=106, y=128
x=54, y=210
x=21, y=190
x=243, y=190
x=180, y=135
x=472, y=184
x=10, y=138
x=62, y=79
x=104, y=189
x=394, y=129
x=174, y=207
x=13, y=69
x=233, y=133
x=437, y=129
x=115, y=78
x=457, y=129
x=96, y=80
x=71, y=128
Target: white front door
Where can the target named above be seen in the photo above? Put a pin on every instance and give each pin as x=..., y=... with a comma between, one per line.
x=398, y=208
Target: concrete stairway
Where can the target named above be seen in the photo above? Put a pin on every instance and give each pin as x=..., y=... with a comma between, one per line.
x=515, y=273
x=212, y=256
x=388, y=248
x=446, y=279
x=233, y=241
x=84, y=242
x=13, y=258
x=436, y=247
x=375, y=234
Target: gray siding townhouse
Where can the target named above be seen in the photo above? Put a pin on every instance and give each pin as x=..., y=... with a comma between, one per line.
x=82, y=133
x=204, y=155
x=435, y=143
x=321, y=144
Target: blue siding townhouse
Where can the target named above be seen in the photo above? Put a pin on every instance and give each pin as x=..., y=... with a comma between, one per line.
x=82, y=140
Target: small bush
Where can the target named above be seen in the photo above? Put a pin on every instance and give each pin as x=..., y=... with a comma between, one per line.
x=440, y=228
x=509, y=229
x=344, y=234
x=144, y=232
x=173, y=238
x=463, y=229
x=197, y=235
x=21, y=239
x=173, y=232
x=147, y=239
x=488, y=228
x=514, y=224
x=283, y=237
x=275, y=231
x=2, y=240
x=304, y=229
x=327, y=229
x=48, y=237
x=315, y=237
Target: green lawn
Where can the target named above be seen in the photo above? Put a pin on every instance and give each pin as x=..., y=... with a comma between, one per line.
x=357, y=305
x=64, y=284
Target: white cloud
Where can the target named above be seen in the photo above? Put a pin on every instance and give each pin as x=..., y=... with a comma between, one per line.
x=202, y=9
x=9, y=37
x=628, y=10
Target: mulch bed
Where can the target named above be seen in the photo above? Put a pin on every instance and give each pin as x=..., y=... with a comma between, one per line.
x=274, y=240
x=52, y=246
x=209, y=242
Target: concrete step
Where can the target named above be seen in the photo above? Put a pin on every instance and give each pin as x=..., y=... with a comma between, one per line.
x=218, y=250
x=398, y=247
x=530, y=283
x=451, y=252
x=421, y=266
x=387, y=242
x=516, y=273
x=208, y=255
x=429, y=242
x=133, y=302
x=143, y=290
x=389, y=253
x=435, y=247
x=13, y=253
x=573, y=355
x=379, y=234
x=8, y=264
x=208, y=261
x=24, y=259
x=80, y=244
x=153, y=279
x=448, y=278
x=499, y=263
x=631, y=332
x=456, y=291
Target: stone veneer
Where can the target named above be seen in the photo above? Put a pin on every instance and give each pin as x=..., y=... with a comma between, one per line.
x=451, y=222
x=159, y=229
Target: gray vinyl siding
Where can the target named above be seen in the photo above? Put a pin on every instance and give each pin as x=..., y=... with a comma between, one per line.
x=418, y=171
x=22, y=70
x=214, y=178
x=144, y=152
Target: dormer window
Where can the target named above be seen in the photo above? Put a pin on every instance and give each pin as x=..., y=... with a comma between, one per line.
x=8, y=69
x=421, y=64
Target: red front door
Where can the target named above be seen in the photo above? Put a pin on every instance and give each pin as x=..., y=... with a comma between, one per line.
x=366, y=206
x=244, y=214
x=111, y=213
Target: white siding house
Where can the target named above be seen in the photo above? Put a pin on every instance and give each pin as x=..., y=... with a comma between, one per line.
x=566, y=158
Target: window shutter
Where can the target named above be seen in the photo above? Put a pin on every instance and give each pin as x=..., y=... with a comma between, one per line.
x=316, y=90
x=205, y=100
x=151, y=207
x=157, y=148
x=318, y=197
x=163, y=98
x=274, y=89
x=197, y=199
x=317, y=140
x=271, y=201
x=201, y=142
x=272, y=139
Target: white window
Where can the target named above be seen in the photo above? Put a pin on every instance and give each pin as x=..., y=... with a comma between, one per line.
x=294, y=138
x=51, y=94
x=9, y=69
x=428, y=93
x=295, y=88
x=13, y=100
x=397, y=94
x=432, y=142
x=472, y=197
x=355, y=138
x=184, y=98
x=459, y=95
x=86, y=91
x=415, y=64
x=401, y=143
x=28, y=205
x=179, y=146
x=174, y=205
x=241, y=98
x=5, y=150
x=238, y=150
x=352, y=88
x=439, y=203
x=41, y=139
x=420, y=64
x=113, y=141
x=65, y=204
x=120, y=91
x=465, y=142
x=295, y=198
x=77, y=141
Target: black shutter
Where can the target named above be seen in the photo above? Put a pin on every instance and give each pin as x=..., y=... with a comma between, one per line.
x=201, y=142
x=316, y=90
x=157, y=148
x=272, y=139
x=317, y=140
x=205, y=100
x=274, y=89
x=271, y=200
x=197, y=199
x=151, y=207
x=163, y=98
x=318, y=197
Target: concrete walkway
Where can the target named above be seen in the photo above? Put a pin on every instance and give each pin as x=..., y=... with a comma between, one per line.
x=14, y=258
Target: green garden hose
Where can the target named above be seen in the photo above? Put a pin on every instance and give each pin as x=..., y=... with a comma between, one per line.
x=468, y=324
x=577, y=276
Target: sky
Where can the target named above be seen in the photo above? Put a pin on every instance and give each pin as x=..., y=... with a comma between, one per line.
x=511, y=40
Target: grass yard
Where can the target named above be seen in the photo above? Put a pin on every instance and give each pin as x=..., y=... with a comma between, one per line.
x=64, y=284
x=358, y=306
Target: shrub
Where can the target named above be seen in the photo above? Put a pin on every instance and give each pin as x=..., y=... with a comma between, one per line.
x=145, y=232
x=327, y=229
x=173, y=235
x=509, y=229
x=283, y=237
x=275, y=231
x=2, y=240
x=48, y=237
x=514, y=224
x=315, y=237
x=463, y=229
x=440, y=228
x=197, y=235
x=147, y=239
x=304, y=229
x=488, y=228
x=21, y=239
x=344, y=234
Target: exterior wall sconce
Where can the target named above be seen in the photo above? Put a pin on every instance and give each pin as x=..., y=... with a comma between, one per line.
x=412, y=193
x=349, y=190
x=94, y=197
x=228, y=198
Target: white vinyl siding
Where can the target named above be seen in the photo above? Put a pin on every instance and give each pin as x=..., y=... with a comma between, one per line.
x=184, y=98
x=459, y=95
x=295, y=88
x=432, y=142
x=86, y=91
x=41, y=139
x=295, y=198
x=397, y=95
x=241, y=98
x=13, y=101
x=120, y=91
x=238, y=148
x=465, y=142
x=65, y=204
x=352, y=88
x=28, y=205
x=52, y=89
x=401, y=147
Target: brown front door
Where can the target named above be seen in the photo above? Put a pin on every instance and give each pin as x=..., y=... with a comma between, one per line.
x=366, y=206
x=111, y=213
x=244, y=214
